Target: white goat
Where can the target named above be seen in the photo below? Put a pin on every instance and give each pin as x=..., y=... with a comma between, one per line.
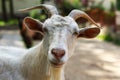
x=46, y=60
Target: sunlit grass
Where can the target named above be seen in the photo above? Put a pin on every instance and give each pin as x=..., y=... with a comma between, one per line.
x=101, y=37
x=2, y=23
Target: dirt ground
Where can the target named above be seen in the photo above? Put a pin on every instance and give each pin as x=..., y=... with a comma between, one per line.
x=92, y=60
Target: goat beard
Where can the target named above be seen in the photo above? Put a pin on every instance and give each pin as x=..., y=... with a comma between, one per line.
x=48, y=69
x=55, y=73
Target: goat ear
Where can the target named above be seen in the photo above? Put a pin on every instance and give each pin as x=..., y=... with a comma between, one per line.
x=89, y=32
x=33, y=24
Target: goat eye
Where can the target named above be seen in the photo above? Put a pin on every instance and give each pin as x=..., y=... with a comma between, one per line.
x=75, y=33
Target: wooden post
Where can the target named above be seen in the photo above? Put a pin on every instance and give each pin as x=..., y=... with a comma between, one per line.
x=11, y=8
x=4, y=12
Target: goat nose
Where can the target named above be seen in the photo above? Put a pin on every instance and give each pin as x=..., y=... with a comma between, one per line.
x=58, y=53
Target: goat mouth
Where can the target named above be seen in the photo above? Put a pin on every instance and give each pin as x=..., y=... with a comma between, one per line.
x=56, y=65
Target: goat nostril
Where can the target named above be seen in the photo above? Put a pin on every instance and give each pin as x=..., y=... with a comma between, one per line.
x=58, y=53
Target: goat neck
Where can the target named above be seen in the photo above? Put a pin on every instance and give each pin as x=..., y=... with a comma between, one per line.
x=35, y=65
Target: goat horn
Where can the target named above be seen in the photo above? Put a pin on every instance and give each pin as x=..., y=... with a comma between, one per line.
x=75, y=14
x=50, y=9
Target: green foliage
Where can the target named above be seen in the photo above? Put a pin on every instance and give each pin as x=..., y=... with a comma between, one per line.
x=9, y=22
x=2, y=23
x=118, y=5
x=108, y=37
x=73, y=4
x=117, y=42
x=36, y=14
x=101, y=37
x=68, y=5
x=76, y=4
x=112, y=6
x=99, y=6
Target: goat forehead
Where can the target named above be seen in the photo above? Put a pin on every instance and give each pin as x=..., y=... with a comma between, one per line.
x=59, y=21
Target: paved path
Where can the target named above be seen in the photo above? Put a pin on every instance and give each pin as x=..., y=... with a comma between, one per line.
x=92, y=60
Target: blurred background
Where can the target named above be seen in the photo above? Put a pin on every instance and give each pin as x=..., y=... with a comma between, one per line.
x=95, y=59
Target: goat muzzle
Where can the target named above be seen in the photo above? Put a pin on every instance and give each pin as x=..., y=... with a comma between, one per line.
x=58, y=53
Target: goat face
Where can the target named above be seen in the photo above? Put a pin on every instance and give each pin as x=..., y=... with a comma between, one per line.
x=60, y=34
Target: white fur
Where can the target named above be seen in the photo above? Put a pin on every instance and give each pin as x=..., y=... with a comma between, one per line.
x=38, y=62
x=29, y=64
x=34, y=63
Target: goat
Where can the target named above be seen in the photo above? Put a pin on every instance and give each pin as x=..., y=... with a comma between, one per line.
x=46, y=60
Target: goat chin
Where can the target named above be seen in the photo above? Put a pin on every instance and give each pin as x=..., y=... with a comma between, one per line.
x=57, y=65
